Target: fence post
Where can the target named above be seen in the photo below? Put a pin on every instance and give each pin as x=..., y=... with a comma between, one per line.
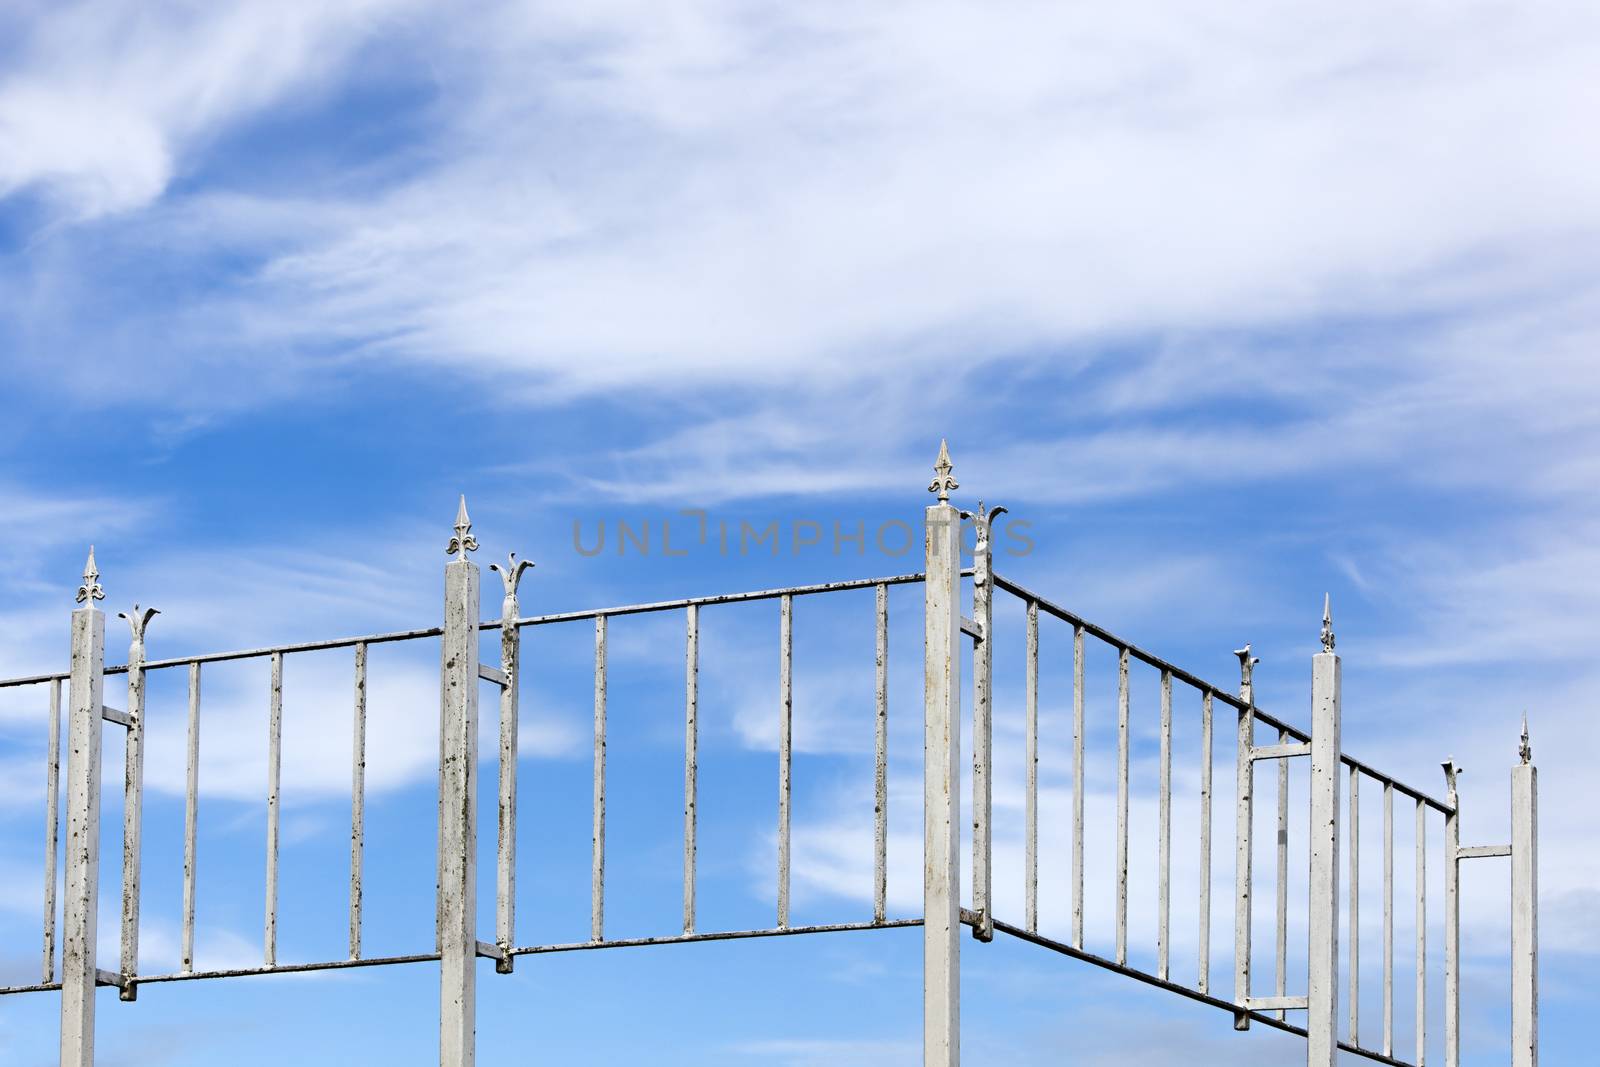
x=1244, y=821
x=78, y=973
x=941, y=753
x=133, y=800
x=982, y=721
x=506, y=869
x=1322, y=954
x=1452, y=917
x=458, y=801
x=1525, y=908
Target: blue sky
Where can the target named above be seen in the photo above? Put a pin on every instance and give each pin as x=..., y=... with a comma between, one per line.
x=1233, y=307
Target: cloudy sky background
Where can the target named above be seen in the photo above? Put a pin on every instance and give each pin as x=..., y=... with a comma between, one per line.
x=1233, y=306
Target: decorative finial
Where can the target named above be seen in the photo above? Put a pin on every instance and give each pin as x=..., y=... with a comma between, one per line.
x=1327, y=623
x=511, y=573
x=1247, y=664
x=942, y=481
x=138, y=620
x=463, y=542
x=1450, y=772
x=1525, y=750
x=985, y=519
x=90, y=589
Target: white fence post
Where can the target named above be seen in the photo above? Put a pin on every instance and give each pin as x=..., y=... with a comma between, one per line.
x=1525, y=908
x=458, y=802
x=510, y=659
x=983, y=722
x=1322, y=954
x=941, y=753
x=78, y=973
x=1452, y=917
x=133, y=800
x=1244, y=820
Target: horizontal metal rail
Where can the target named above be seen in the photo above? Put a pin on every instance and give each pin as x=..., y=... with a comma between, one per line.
x=1204, y=686
x=528, y=950
x=719, y=935
x=525, y=621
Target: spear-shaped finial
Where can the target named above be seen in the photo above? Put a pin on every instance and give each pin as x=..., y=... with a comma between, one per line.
x=943, y=481
x=463, y=542
x=90, y=589
x=1327, y=623
x=1525, y=750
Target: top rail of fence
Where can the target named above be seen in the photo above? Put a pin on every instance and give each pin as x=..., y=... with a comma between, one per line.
x=1204, y=686
x=495, y=624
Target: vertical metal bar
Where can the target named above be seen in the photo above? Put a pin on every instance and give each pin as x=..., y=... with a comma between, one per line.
x=1322, y=954
x=1031, y=726
x=82, y=883
x=133, y=802
x=982, y=734
x=191, y=814
x=1525, y=909
x=1122, y=806
x=1452, y=920
x=941, y=809
x=1164, y=877
x=691, y=758
x=1204, y=983
x=1281, y=885
x=52, y=820
x=458, y=828
x=358, y=795
x=1243, y=856
x=274, y=769
x=1077, y=786
x=505, y=884
x=1388, y=919
x=1422, y=934
x=1355, y=906
x=785, y=751
x=880, y=775
x=597, y=840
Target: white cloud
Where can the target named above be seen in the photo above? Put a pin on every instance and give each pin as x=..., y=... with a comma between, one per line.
x=104, y=101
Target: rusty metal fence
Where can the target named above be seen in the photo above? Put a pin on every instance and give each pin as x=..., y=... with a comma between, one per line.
x=1312, y=1011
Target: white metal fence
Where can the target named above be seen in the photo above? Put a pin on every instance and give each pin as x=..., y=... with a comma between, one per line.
x=1312, y=1010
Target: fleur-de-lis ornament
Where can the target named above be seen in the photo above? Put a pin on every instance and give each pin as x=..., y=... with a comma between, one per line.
x=511, y=573
x=90, y=589
x=1525, y=749
x=943, y=482
x=1327, y=623
x=138, y=620
x=463, y=542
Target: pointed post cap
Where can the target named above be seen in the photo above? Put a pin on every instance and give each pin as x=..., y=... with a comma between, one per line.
x=463, y=542
x=90, y=589
x=1525, y=749
x=943, y=481
x=1327, y=623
